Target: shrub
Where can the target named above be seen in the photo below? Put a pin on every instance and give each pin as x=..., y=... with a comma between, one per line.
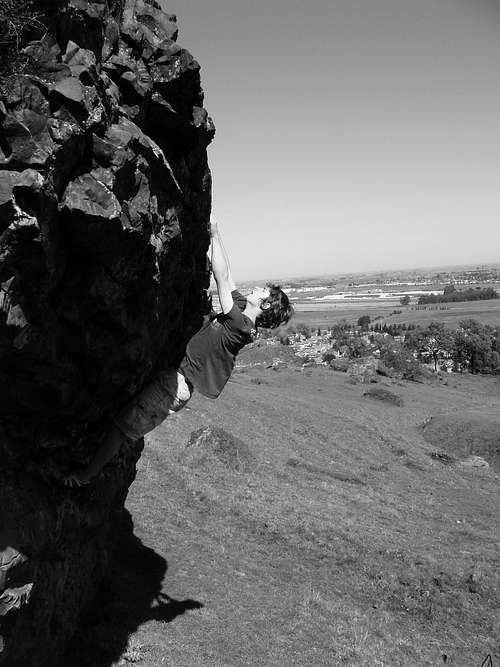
x=356, y=347
x=328, y=356
x=476, y=348
x=364, y=322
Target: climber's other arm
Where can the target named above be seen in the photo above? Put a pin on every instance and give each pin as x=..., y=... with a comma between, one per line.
x=220, y=269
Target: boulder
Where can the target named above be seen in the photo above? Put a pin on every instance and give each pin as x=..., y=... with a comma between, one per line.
x=27, y=140
x=213, y=446
x=103, y=275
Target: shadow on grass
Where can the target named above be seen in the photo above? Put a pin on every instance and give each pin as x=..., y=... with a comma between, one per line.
x=130, y=595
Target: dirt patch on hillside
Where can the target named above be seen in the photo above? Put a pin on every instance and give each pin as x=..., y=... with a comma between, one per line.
x=380, y=394
x=467, y=434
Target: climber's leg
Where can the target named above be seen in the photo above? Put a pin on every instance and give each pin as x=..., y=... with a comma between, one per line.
x=105, y=453
x=166, y=394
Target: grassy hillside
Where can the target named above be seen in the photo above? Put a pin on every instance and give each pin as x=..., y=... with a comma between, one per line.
x=329, y=531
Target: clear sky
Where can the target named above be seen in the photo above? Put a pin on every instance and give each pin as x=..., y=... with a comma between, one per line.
x=352, y=135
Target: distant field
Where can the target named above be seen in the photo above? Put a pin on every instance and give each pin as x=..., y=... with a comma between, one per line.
x=323, y=315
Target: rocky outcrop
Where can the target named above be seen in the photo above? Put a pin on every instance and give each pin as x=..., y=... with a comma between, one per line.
x=212, y=447
x=104, y=204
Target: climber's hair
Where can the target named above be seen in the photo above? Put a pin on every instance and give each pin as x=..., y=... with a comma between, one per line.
x=275, y=310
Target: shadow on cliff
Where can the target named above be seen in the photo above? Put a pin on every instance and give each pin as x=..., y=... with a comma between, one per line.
x=130, y=595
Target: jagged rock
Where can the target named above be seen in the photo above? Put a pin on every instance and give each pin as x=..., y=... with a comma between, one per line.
x=176, y=76
x=45, y=55
x=111, y=37
x=78, y=104
x=22, y=92
x=19, y=194
x=83, y=22
x=70, y=90
x=82, y=63
x=112, y=96
x=103, y=235
x=89, y=206
x=8, y=180
x=28, y=139
x=147, y=27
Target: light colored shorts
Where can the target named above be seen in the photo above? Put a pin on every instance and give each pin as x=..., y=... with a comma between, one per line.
x=166, y=394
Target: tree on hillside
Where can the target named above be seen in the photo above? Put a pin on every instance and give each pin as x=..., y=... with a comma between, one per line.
x=340, y=332
x=356, y=348
x=399, y=358
x=328, y=356
x=436, y=341
x=364, y=322
x=476, y=347
x=404, y=300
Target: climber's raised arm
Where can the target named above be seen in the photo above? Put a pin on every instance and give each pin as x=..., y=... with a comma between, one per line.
x=231, y=281
x=220, y=269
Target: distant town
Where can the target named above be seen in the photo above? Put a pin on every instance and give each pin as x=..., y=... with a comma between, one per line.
x=458, y=275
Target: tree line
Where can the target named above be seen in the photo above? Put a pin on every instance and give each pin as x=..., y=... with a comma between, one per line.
x=451, y=294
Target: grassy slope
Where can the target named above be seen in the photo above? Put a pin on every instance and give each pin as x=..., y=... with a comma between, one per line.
x=346, y=544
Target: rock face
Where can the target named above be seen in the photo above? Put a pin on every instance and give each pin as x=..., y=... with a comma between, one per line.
x=105, y=195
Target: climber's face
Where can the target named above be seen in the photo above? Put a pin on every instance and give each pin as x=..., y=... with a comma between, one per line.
x=257, y=295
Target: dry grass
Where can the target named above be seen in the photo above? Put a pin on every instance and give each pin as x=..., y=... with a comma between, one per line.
x=19, y=20
x=295, y=564
x=16, y=18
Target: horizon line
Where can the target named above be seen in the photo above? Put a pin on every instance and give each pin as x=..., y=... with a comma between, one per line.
x=304, y=276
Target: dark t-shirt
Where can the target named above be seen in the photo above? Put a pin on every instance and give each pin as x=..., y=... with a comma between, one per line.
x=211, y=353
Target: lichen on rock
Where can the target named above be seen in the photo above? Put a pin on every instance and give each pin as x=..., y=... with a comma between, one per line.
x=105, y=194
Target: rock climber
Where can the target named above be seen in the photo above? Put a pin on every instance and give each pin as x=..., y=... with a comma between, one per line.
x=207, y=364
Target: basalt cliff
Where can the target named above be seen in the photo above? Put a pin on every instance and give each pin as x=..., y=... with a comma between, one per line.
x=105, y=196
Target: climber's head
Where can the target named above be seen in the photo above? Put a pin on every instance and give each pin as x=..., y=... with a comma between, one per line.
x=274, y=306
